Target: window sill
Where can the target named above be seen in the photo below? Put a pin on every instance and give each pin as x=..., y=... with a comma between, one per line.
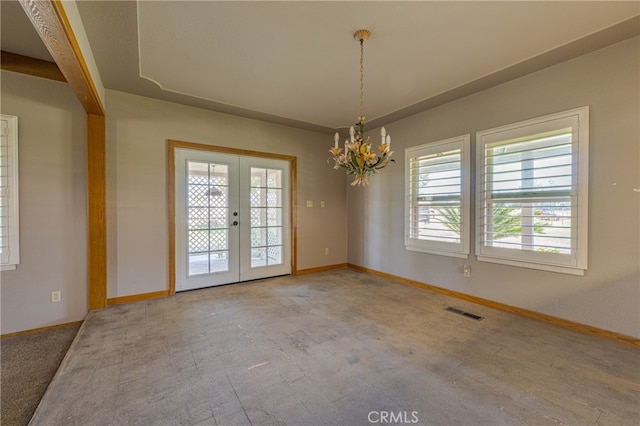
x=550, y=268
x=438, y=252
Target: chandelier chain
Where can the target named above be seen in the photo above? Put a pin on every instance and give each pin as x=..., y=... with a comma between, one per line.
x=361, y=118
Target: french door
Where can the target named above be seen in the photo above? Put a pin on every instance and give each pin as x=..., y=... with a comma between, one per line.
x=232, y=218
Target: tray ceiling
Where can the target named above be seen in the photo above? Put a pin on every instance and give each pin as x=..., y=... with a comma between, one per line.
x=297, y=62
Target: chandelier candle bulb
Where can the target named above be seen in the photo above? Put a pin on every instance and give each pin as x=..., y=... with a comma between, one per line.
x=336, y=138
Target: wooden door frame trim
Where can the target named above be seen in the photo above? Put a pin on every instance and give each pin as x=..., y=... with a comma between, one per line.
x=171, y=147
x=50, y=21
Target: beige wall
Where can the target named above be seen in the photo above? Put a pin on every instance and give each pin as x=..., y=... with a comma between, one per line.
x=52, y=144
x=608, y=296
x=53, y=194
x=52, y=156
x=137, y=133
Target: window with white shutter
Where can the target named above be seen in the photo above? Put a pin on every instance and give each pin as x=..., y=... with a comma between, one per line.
x=532, y=180
x=437, y=193
x=9, y=238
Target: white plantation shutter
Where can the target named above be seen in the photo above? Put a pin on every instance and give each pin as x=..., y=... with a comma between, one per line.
x=532, y=190
x=437, y=209
x=9, y=238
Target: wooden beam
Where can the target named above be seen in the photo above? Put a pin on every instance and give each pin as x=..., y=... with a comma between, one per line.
x=50, y=21
x=96, y=212
x=32, y=66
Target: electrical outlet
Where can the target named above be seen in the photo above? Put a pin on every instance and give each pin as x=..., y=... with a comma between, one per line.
x=322, y=204
x=467, y=271
x=56, y=296
x=326, y=250
x=309, y=203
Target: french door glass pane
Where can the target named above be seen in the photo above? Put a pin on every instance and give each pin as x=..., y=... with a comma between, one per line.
x=258, y=237
x=208, y=213
x=274, y=197
x=275, y=254
x=274, y=178
x=274, y=216
x=266, y=217
x=274, y=236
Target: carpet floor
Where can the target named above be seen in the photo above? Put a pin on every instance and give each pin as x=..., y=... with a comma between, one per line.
x=335, y=348
x=28, y=364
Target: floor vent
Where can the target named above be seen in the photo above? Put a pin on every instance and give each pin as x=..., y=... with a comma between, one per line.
x=463, y=313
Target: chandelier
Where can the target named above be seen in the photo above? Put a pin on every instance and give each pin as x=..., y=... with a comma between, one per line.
x=358, y=158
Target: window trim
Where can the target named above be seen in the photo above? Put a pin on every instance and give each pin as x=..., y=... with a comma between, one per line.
x=13, y=259
x=462, y=249
x=576, y=262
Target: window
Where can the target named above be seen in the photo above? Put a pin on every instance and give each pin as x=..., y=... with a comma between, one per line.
x=9, y=239
x=437, y=208
x=532, y=182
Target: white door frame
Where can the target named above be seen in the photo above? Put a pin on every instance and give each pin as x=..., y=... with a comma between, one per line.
x=173, y=145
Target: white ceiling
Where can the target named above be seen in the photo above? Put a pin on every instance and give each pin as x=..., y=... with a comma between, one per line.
x=297, y=62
